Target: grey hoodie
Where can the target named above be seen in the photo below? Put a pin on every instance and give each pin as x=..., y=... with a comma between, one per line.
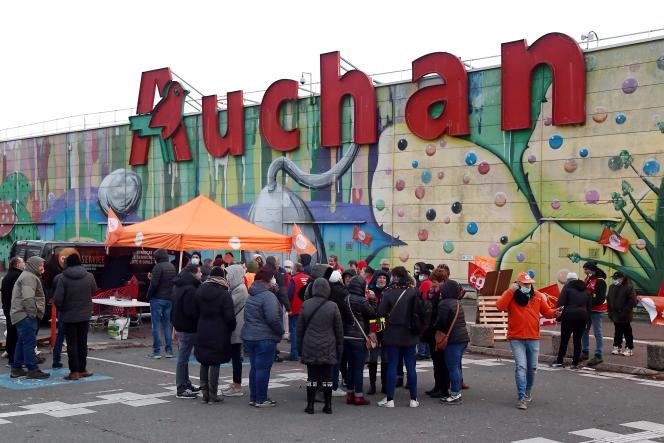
x=239, y=293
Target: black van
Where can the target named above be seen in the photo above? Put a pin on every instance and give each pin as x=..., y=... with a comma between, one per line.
x=110, y=270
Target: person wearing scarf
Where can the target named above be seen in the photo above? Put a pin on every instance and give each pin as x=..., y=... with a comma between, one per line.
x=596, y=288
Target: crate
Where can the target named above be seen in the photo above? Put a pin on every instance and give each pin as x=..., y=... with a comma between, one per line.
x=495, y=283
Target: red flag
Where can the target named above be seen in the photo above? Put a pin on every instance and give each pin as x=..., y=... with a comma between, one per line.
x=476, y=275
x=613, y=240
x=552, y=293
x=655, y=308
x=113, y=228
x=361, y=236
x=301, y=243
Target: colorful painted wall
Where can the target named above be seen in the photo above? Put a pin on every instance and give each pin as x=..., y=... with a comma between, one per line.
x=535, y=200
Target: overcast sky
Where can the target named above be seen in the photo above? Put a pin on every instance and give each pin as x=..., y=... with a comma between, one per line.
x=69, y=57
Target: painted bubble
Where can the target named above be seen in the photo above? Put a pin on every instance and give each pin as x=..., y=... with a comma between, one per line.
x=402, y=144
x=591, y=62
x=500, y=199
x=660, y=62
x=521, y=256
x=466, y=179
x=621, y=118
x=562, y=275
x=531, y=272
x=600, y=115
x=448, y=246
x=426, y=176
x=548, y=121
x=555, y=204
x=504, y=239
x=584, y=152
x=431, y=214
x=415, y=164
x=400, y=184
x=483, y=168
x=442, y=143
x=555, y=141
x=441, y=175
x=457, y=207
x=651, y=167
x=380, y=204
x=446, y=220
x=570, y=165
x=401, y=212
x=615, y=163
x=592, y=196
x=430, y=150
x=404, y=256
x=419, y=192
x=494, y=250
x=471, y=158
x=629, y=85
x=640, y=244
x=532, y=159
x=472, y=228
x=422, y=235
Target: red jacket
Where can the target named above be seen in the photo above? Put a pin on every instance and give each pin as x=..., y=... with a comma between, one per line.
x=523, y=322
x=298, y=281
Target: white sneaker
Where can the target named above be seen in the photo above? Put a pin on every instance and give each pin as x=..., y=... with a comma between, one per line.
x=338, y=393
x=627, y=352
x=385, y=403
x=616, y=350
x=232, y=392
x=414, y=403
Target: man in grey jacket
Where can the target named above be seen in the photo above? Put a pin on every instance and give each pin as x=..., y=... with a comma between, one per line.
x=28, y=306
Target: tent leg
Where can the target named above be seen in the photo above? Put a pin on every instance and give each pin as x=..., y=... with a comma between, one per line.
x=180, y=265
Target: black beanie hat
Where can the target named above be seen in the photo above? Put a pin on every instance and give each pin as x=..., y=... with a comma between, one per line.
x=218, y=271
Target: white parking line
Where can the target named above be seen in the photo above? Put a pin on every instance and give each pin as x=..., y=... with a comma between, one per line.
x=131, y=365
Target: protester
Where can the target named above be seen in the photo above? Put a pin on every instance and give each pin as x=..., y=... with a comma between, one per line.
x=320, y=342
x=367, y=272
x=353, y=266
x=16, y=266
x=524, y=305
x=249, y=276
x=229, y=259
x=385, y=265
x=262, y=331
x=159, y=295
x=73, y=298
x=183, y=318
x=379, y=282
x=305, y=259
x=27, y=308
x=596, y=287
x=206, y=268
x=279, y=287
x=338, y=294
x=347, y=276
x=621, y=301
x=421, y=273
x=216, y=323
x=441, y=377
x=259, y=260
x=451, y=321
x=297, y=284
x=575, y=304
x=195, y=259
x=239, y=294
x=333, y=261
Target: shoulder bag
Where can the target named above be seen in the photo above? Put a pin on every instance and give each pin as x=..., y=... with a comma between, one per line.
x=371, y=340
x=441, y=337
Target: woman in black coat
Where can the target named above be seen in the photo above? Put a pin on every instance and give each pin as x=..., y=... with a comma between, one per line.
x=441, y=376
x=576, y=304
x=216, y=322
x=621, y=301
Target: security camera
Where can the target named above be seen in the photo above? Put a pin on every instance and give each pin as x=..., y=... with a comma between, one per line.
x=302, y=80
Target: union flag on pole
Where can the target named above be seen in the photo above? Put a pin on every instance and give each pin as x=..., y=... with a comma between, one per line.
x=363, y=237
x=113, y=228
x=476, y=276
x=613, y=240
x=301, y=243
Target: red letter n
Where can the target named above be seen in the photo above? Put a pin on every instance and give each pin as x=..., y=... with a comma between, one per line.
x=333, y=90
x=565, y=59
x=233, y=140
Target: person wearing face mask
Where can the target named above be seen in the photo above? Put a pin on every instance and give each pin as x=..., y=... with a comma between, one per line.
x=596, y=288
x=195, y=258
x=620, y=302
x=385, y=265
x=524, y=305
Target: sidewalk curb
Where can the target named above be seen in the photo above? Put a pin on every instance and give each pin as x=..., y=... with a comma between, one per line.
x=122, y=344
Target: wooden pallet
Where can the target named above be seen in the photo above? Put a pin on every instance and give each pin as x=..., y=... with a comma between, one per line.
x=487, y=313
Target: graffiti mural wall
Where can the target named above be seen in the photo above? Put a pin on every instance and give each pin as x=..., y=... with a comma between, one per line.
x=542, y=200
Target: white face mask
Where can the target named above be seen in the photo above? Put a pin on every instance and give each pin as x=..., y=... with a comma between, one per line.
x=195, y=261
x=421, y=277
x=524, y=289
x=273, y=282
x=617, y=281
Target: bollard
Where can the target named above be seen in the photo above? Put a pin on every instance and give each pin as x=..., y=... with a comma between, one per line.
x=481, y=335
x=555, y=345
x=655, y=356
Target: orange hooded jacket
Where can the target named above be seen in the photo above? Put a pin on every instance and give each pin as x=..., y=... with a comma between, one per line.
x=523, y=322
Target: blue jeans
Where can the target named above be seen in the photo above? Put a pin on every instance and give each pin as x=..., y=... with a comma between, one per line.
x=596, y=323
x=59, y=340
x=453, y=354
x=261, y=357
x=292, y=334
x=160, y=314
x=392, y=362
x=525, y=358
x=25, y=345
x=186, y=344
x=356, y=354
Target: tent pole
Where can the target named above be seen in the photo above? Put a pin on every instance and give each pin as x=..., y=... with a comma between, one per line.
x=180, y=266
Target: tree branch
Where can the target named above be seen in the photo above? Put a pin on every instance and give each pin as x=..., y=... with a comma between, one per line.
x=643, y=215
x=648, y=183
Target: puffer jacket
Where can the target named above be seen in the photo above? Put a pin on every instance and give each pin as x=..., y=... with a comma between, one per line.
x=360, y=307
x=163, y=273
x=575, y=300
x=183, y=314
x=216, y=322
x=621, y=301
x=239, y=293
x=447, y=308
x=73, y=294
x=320, y=334
x=28, y=298
x=263, y=317
x=399, y=315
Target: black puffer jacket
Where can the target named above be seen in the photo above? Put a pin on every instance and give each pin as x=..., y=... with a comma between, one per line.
x=621, y=301
x=163, y=273
x=576, y=301
x=73, y=294
x=183, y=314
x=434, y=298
x=8, y=282
x=216, y=322
x=398, y=331
x=358, y=306
x=320, y=334
x=447, y=308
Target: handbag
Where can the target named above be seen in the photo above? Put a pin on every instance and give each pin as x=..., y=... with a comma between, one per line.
x=441, y=337
x=371, y=340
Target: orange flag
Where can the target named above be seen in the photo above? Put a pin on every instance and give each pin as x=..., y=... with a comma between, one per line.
x=613, y=240
x=113, y=228
x=301, y=243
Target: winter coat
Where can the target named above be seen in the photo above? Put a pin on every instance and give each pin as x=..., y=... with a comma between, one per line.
x=239, y=294
x=183, y=313
x=320, y=337
x=216, y=322
x=357, y=304
x=621, y=301
x=298, y=282
x=73, y=294
x=163, y=273
x=8, y=282
x=372, y=285
x=338, y=294
x=434, y=298
x=523, y=322
x=28, y=298
x=263, y=317
x=447, y=308
x=398, y=331
x=575, y=300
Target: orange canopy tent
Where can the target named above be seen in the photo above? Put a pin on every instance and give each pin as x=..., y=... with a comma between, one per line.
x=199, y=224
